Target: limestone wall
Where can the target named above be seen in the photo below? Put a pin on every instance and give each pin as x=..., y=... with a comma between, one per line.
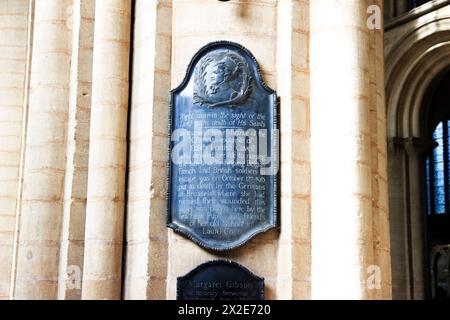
x=146, y=233
x=14, y=46
x=275, y=43
x=91, y=212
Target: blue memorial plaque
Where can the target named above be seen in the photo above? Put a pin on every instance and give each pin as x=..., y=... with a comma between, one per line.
x=220, y=280
x=223, y=147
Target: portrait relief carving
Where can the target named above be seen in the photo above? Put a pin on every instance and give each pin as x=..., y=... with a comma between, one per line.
x=223, y=78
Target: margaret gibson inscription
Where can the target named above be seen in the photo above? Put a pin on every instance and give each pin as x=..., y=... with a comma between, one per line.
x=220, y=280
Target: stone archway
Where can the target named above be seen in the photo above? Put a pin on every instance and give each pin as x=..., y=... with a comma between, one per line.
x=413, y=65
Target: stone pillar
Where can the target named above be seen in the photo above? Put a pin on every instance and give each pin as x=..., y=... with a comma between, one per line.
x=398, y=225
x=378, y=142
x=75, y=185
x=395, y=8
x=414, y=157
x=342, y=150
x=294, y=251
x=146, y=233
x=108, y=151
x=389, y=10
x=406, y=165
x=15, y=28
x=401, y=7
x=45, y=157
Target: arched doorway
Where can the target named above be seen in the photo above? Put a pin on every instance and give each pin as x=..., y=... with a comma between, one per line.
x=416, y=67
x=440, y=280
x=437, y=177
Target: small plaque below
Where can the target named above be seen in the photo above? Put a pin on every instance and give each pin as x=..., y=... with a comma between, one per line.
x=220, y=280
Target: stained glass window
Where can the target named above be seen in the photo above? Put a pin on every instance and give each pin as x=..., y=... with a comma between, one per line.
x=438, y=171
x=428, y=187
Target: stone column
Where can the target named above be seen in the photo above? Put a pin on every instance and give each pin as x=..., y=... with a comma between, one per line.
x=401, y=7
x=416, y=206
x=408, y=232
x=341, y=151
x=108, y=151
x=45, y=157
x=395, y=8
x=15, y=28
x=398, y=225
x=389, y=10
x=294, y=251
x=378, y=129
x=75, y=184
x=146, y=236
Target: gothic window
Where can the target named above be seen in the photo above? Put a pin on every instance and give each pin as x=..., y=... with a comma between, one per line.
x=438, y=209
x=438, y=172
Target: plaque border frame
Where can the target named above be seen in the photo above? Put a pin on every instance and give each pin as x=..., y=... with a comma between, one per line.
x=224, y=263
x=276, y=103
